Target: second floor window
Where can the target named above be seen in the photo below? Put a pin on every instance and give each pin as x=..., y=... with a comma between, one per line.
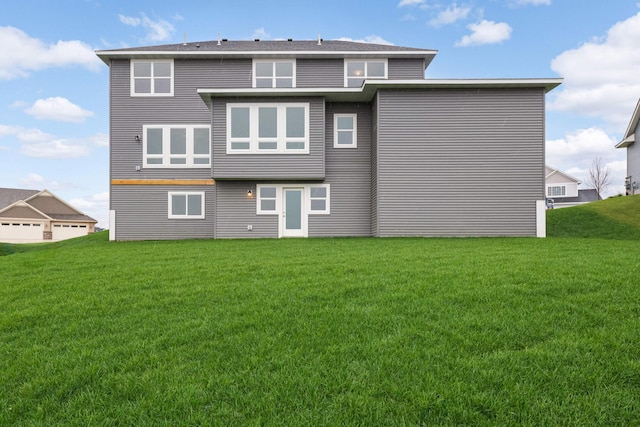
x=176, y=146
x=274, y=73
x=355, y=72
x=268, y=128
x=152, y=78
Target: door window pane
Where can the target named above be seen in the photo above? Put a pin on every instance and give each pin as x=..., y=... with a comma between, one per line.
x=293, y=219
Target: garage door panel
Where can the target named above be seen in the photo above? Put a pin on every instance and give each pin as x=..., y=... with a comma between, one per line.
x=68, y=231
x=20, y=232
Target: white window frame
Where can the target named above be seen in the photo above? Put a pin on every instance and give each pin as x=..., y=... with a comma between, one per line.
x=281, y=138
x=365, y=71
x=307, y=199
x=152, y=77
x=166, y=155
x=354, y=131
x=171, y=215
x=551, y=189
x=274, y=77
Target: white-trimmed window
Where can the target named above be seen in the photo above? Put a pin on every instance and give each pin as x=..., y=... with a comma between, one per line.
x=269, y=199
x=274, y=73
x=356, y=71
x=152, y=78
x=345, y=130
x=318, y=199
x=268, y=128
x=267, y=202
x=186, y=205
x=556, y=190
x=176, y=146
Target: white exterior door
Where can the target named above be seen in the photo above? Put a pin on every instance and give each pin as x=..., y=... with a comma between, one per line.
x=293, y=219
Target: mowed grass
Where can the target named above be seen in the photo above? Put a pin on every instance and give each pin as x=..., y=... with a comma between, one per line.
x=322, y=332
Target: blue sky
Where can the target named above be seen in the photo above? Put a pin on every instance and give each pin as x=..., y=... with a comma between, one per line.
x=54, y=111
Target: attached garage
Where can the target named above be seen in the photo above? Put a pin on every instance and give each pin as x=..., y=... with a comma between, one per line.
x=21, y=232
x=68, y=231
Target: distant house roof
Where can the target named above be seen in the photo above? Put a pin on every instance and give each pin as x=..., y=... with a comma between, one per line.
x=630, y=135
x=268, y=48
x=549, y=171
x=14, y=196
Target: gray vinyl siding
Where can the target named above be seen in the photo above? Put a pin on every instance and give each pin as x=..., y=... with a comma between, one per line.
x=231, y=73
x=633, y=161
x=236, y=210
x=319, y=73
x=269, y=166
x=460, y=162
x=129, y=114
x=142, y=213
x=348, y=171
x=405, y=69
x=374, y=167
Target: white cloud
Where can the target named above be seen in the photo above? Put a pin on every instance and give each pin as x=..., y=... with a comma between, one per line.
x=96, y=206
x=159, y=30
x=33, y=180
x=59, y=109
x=486, y=32
x=100, y=140
x=36, y=143
x=410, y=3
x=601, y=76
x=21, y=54
x=575, y=153
x=368, y=39
x=261, y=34
x=450, y=15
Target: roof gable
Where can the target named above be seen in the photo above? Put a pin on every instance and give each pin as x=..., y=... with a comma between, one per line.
x=549, y=172
x=22, y=210
x=9, y=196
x=630, y=135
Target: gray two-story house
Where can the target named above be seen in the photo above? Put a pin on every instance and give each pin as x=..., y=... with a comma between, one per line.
x=239, y=139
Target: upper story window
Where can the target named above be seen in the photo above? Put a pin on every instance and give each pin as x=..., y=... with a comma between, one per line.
x=356, y=71
x=556, y=190
x=274, y=73
x=152, y=78
x=345, y=133
x=268, y=128
x=176, y=146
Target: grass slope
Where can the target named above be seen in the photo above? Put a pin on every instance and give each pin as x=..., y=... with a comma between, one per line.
x=614, y=218
x=321, y=332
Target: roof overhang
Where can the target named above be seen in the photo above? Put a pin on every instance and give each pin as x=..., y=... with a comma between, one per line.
x=107, y=55
x=627, y=141
x=366, y=92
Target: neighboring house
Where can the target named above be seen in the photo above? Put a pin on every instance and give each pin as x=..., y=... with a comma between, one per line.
x=633, y=152
x=562, y=190
x=32, y=216
x=236, y=139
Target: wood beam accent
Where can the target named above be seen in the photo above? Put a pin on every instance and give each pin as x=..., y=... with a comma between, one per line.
x=162, y=182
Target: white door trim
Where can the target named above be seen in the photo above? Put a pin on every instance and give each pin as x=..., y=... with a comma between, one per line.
x=283, y=231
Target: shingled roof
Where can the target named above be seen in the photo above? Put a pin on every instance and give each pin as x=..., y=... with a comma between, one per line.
x=9, y=196
x=249, y=48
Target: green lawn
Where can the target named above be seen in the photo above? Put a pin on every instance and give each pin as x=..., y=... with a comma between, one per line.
x=329, y=332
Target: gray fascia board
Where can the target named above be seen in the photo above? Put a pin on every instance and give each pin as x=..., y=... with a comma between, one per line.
x=370, y=87
x=107, y=55
x=627, y=141
x=633, y=124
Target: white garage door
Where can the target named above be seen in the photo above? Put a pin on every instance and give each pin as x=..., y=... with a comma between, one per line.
x=20, y=232
x=68, y=231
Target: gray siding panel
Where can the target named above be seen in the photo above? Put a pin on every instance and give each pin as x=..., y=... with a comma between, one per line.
x=231, y=73
x=236, y=210
x=374, y=167
x=446, y=156
x=269, y=166
x=319, y=73
x=633, y=160
x=142, y=213
x=348, y=171
x=129, y=114
x=400, y=69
